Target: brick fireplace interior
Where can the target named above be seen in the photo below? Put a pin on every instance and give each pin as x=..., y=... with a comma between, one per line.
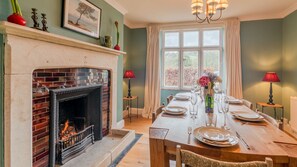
x=72, y=111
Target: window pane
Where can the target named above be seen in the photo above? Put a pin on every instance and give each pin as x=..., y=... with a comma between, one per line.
x=191, y=39
x=171, y=39
x=211, y=60
x=171, y=69
x=211, y=38
x=190, y=68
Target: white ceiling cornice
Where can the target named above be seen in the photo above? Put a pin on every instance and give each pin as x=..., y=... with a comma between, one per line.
x=117, y=6
x=289, y=10
x=280, y=15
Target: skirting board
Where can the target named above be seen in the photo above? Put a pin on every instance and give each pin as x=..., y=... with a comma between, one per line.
x=120, y=124
x=134, y=112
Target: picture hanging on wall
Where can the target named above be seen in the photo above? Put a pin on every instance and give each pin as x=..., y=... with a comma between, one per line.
x=82, y=16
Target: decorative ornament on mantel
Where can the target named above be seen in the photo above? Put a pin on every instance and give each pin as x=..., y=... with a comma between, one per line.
x=16, y=17
x=117, y=46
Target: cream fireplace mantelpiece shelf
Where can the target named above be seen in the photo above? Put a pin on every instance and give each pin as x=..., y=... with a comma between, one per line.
x=27, y=49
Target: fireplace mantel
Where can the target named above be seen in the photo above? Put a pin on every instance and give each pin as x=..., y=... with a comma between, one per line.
x=27, y=49
x=26, y=32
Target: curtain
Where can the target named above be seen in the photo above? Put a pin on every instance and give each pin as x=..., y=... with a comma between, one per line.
x=233, y=58
x=152, y=80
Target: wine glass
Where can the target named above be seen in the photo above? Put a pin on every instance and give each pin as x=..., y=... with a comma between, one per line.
x=225, y=108
x=193, y=112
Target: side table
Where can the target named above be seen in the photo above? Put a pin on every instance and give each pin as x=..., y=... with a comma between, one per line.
x=129, y=101
x=275, y=107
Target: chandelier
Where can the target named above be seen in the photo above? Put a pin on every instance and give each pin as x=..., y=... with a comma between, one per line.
x=205, y=10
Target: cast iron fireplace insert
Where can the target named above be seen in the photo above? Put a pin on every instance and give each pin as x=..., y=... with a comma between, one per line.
x=78, y=110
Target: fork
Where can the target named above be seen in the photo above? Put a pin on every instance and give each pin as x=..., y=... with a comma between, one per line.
x=189, y=130
x=244, y=142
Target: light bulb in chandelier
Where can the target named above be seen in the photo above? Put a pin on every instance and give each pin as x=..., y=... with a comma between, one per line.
x=222, y=5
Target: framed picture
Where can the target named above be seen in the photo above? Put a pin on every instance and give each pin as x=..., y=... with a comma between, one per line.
x=82, y=16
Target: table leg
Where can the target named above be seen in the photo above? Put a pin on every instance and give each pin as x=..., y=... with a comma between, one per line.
x=274, y=112
x=158, y=155
x=137, y=106
x=129, y=112
x=282, y=113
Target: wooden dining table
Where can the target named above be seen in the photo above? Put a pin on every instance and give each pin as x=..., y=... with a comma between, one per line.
x=264, y=139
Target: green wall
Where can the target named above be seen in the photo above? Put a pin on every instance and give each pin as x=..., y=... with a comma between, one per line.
x=261, y=51
x=289, y=77
x=136, y=61
x=4, y=6
x=1, y=101
x=53, y=9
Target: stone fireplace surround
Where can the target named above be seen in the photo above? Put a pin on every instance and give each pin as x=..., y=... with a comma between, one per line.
x=27, y=49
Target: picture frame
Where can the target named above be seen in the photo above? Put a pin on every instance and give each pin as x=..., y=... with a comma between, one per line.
x=82, y=16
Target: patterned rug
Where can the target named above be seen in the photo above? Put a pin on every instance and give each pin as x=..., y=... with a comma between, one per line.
x=125, y=151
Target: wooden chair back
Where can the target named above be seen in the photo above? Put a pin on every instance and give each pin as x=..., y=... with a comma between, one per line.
x=247, y=103
x=195, y=160
x=169, y=98
x=271, y=120
x=156, y=113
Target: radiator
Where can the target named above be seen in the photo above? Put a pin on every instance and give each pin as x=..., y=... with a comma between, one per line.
x=293, y=113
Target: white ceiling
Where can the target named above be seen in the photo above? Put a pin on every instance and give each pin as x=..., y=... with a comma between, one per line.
x=139, y=13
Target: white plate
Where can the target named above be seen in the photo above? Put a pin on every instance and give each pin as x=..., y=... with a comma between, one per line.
x=232, y=141
x=214, y=134
x=248, y=115
x=175, y=110
x=249, y=119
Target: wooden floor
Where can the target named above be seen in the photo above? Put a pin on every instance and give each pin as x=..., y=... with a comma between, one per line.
x=138, y=156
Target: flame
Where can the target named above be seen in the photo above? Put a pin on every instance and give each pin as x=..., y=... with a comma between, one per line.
x=67, y=131
x=65, y=127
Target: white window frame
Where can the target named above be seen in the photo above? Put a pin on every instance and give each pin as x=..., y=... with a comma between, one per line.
x=181, y=49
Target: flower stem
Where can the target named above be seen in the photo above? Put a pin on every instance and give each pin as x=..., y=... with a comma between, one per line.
x=13, y=6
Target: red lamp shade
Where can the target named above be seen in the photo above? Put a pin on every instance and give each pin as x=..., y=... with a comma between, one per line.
x=129, y=74
x=271, y=77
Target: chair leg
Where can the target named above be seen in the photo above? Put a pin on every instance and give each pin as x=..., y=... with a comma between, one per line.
x=178, y=156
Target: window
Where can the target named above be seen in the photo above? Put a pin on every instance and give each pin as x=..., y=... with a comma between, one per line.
x=187, y=53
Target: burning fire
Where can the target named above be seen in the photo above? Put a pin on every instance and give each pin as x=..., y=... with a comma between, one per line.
x=67, y=131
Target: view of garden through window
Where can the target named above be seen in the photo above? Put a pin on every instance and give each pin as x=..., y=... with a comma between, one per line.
x=186, y=54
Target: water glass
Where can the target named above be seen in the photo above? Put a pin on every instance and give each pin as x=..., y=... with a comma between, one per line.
x=193, y=112
x=225, y=108
x=210, y=119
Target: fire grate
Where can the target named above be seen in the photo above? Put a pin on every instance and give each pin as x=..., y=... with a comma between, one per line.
x=74, y=145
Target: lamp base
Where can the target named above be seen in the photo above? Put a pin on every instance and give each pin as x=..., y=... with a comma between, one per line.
x=270, y=103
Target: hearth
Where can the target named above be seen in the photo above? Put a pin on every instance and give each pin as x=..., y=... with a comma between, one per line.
x=76, y=121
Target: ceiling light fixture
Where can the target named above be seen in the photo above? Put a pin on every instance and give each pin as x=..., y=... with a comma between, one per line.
x=208, y=8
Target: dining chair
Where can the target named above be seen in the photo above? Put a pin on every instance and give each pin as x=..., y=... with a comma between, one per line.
x=169, y=98
x=271, y=120
x=156, y=113
x=195, y=160
x=247, y=103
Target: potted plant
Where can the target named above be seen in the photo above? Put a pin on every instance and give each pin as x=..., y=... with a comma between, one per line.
x=16, y=17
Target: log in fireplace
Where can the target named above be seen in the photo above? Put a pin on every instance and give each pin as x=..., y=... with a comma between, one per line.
x=76, y=121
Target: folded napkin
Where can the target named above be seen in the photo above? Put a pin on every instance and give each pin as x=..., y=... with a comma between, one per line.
x=182, y=97
x=235, y=101
x=175, y=109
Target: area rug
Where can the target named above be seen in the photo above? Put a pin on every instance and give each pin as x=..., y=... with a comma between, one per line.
x=125, y=151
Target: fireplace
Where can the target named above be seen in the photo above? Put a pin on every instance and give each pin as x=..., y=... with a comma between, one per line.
x=27, y=123
x=76, y=121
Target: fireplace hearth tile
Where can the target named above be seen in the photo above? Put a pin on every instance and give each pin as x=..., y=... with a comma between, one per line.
x=103, y=152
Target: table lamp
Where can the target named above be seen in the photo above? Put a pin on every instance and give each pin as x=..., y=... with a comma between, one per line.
x=129, y=74
x=271, y=77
